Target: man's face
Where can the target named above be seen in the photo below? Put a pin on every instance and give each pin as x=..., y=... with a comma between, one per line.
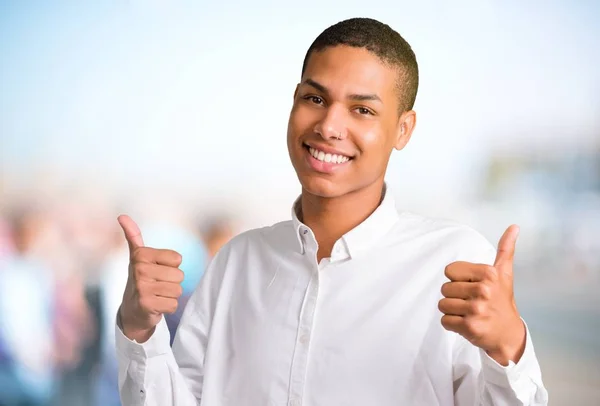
x=345, y=121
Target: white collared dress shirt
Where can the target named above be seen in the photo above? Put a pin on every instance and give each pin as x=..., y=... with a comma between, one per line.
x=269, y=326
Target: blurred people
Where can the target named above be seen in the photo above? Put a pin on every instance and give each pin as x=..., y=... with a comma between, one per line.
x=27, y=311
x=216, y=231
x=85, y=236
x=112, y=279
x=6, y=244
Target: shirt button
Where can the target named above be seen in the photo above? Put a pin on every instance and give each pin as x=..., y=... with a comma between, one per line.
x=304, y=339
x=295, y=402
x=305, y=231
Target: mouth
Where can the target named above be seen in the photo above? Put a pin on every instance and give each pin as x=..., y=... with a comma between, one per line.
x=327, y=157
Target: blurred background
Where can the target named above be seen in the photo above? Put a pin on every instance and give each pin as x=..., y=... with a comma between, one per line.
x=175, y=113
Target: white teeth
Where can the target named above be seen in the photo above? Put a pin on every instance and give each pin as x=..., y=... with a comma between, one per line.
x=329, y=158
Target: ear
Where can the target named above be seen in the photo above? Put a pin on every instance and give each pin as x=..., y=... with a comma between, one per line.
x=406, y=126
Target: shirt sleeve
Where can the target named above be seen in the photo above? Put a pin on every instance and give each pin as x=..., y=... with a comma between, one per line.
x=479, y=379
x=521, y=382
x=148, y=372
x=154, y=373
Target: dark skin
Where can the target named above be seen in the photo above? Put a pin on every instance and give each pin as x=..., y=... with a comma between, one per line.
x=349, y=101
x=348, y=93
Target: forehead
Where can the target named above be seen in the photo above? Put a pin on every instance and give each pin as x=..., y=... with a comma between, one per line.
x=344, y=69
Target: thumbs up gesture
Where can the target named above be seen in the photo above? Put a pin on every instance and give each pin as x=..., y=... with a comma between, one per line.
x=153, y=285
x=479, y=303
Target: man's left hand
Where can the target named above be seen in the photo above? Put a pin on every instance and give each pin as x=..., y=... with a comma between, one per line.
x=479, y=303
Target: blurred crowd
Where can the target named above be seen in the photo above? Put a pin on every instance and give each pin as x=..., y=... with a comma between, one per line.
x=63, y=269
x=64, y=265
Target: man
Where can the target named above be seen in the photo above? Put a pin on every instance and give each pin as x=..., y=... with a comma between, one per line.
x=351, y=302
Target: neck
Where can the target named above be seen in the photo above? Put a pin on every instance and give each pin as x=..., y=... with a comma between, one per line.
x=331, y=218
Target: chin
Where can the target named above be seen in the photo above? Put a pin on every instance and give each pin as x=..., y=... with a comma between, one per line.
x=321, y=186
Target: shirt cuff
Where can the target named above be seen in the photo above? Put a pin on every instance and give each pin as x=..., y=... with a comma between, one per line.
x=157, y=344
x=514, y=375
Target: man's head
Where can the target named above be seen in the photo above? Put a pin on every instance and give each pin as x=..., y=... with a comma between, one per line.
x=352, y=107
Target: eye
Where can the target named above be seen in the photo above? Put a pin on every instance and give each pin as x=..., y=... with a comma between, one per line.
x=314, y=99
x=364, y=111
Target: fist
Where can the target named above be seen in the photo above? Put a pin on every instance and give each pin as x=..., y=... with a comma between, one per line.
x=479, y=303
x=153, y=284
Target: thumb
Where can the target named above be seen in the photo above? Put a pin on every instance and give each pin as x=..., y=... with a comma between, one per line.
x=506, y=247
x=133, y=235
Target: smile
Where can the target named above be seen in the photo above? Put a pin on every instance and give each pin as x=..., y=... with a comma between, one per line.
x=326, y=157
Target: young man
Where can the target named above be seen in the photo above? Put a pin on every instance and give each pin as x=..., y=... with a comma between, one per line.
x=350, y=302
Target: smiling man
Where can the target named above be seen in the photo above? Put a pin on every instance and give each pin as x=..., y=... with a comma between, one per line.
x=351, y=302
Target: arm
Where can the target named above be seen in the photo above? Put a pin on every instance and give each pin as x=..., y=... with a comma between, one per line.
x=153, y=373
x=150, y=371
x=494, y=361
x=480, y=380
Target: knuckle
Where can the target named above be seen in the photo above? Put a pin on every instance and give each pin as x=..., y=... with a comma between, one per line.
x=483, y=291
x=135, y=254
x=145, y=304
x=141, y=269
x=470, y=325
x=489, y=272
x=477, y=308
x=140, y=286
x=474, y=328
x=178, y=290
x=140, y=254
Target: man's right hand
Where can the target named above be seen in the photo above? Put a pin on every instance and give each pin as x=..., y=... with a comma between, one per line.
x=153, y=285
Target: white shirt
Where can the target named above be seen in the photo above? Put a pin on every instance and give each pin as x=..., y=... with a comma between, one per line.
x=268, y=325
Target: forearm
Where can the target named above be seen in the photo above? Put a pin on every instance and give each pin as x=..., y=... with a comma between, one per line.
x=149, y=374
x=485, y=382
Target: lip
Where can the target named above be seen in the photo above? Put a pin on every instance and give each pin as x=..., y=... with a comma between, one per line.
x=322, y=166
x=326, y=149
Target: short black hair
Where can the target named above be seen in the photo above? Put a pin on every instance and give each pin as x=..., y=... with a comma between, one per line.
x=381, y=40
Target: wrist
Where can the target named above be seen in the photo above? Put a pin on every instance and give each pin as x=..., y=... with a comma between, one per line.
x=512, y=346
x=140, y=335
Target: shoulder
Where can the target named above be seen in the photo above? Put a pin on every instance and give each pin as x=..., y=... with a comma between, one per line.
x=255, y=245
x=461, y=241
x=249, y=247
x=278, y=235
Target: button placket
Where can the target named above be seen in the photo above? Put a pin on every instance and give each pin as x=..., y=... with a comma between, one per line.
x=301, y=352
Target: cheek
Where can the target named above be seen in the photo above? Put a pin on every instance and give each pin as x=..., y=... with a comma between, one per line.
x=298, y=119
x=370, y=139
x=304, y=119
x=372, y=142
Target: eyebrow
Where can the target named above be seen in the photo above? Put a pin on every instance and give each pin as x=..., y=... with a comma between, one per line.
x=354, y=96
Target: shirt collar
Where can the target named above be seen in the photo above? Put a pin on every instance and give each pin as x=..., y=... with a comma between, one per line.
x=362, y=237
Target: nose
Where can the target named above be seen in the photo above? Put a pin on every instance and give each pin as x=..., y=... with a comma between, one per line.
x=332, y=126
